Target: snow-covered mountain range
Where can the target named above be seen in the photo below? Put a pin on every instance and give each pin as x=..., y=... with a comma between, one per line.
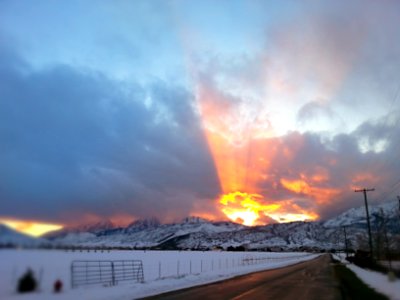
x=198, y=233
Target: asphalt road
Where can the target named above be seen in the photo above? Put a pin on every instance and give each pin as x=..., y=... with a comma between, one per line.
x=308, y=280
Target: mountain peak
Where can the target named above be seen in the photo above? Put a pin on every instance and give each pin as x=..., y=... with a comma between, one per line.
x=194, y=220
x=357, y=215
x=92, y=227
x=145, y=223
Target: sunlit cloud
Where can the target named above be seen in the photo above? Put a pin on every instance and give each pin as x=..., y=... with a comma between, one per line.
x=242, y=149
x=32, y=228
x=320, y=194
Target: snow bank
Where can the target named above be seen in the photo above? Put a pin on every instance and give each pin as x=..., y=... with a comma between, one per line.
x=163, y=270
x=378, y=281
x=375, y=280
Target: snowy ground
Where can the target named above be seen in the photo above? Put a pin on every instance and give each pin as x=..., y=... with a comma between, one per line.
x=163, y=270
x=375, y=280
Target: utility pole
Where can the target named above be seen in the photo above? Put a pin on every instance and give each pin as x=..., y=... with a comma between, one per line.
x=345, y=242
x=387, y=248
x=398, y=197
x=369, y=225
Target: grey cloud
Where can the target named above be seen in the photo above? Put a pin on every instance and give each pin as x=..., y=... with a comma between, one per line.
x=312, y=110
x=75, y=141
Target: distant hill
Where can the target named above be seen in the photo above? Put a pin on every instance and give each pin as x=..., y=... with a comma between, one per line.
x=11, y=238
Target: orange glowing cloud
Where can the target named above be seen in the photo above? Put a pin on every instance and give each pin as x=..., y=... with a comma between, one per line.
x=320, y=194
x=364, y=179
x=297, y=186
x=32, y=228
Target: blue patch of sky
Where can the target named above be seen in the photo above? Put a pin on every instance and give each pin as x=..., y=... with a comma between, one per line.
x=136, y=38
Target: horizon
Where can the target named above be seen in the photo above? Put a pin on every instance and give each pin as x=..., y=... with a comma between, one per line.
x=37, y=230
x=251, y=112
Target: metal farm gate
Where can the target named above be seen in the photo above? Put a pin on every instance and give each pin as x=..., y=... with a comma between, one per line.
x=108, y=272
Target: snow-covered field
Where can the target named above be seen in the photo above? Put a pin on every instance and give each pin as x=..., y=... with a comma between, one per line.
x=163, y=270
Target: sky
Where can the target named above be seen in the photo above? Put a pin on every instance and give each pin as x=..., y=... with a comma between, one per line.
x=253, y=111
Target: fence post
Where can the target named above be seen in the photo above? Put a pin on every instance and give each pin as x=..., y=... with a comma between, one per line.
x=201, y=266
x=100, y=270
x=212, y=265
x=190, y=267
x=177, y=268
x=72, y=275
x=112, y=273
x=159, y=270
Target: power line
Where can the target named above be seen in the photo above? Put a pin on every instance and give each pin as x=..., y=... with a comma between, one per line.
x=396, y=121
x=386, y=161
x=392, y=189
x=395, y=97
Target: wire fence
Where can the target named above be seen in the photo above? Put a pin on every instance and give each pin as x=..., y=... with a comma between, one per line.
x=183, y=267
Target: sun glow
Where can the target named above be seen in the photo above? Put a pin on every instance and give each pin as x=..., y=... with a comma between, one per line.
x=248, y=209
x=243, y=148
x=245, y=208
x=32, y=228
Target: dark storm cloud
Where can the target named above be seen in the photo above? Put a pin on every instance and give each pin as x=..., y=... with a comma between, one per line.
x=74, y=141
